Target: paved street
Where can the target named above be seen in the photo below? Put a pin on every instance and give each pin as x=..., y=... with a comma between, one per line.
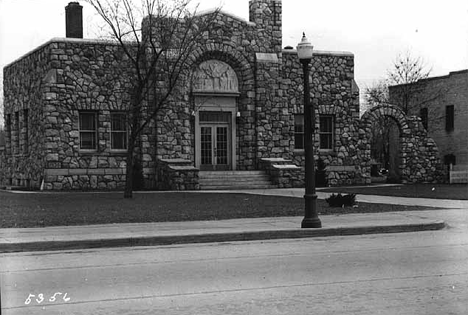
x=408, y=273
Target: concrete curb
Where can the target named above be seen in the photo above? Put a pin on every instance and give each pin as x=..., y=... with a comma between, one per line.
x=216, y=237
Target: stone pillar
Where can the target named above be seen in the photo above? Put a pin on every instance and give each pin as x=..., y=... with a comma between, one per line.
x=267, y=15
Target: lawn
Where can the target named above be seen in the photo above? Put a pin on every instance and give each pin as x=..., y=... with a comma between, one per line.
x=433, y=191
x=54, y=209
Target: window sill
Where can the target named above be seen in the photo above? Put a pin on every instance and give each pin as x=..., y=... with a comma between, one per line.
x=87, y=152
x=327, y=151
x=118, y=152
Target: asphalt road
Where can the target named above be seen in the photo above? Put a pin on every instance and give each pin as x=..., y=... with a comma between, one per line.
x=409, y=273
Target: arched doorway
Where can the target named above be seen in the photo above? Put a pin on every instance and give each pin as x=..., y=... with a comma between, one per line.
x=215, y=91
x=385, y=149
x=413, y=155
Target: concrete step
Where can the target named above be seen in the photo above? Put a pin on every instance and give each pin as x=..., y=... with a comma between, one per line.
x=237, y=187
x=228, y=180
x=240, y=180
x=235, y=177
x=209, y=174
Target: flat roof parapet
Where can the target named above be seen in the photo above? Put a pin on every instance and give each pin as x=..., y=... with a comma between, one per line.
x=65, y=40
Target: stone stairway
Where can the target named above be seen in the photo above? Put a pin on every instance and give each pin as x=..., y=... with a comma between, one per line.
x=231, y=180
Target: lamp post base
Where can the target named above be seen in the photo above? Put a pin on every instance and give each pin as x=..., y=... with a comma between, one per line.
x=311, y=219
x=311, y=223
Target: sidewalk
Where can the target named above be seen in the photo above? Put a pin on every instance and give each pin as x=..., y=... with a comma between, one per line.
x=391, y=200
x=167, y=233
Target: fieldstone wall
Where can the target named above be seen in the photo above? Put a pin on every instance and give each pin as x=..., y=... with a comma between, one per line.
x=283, y=173
x=333, y=92
x=25, y=124
x=3, y=178
x=73, y=76
x=84, y=76
x=177, y=174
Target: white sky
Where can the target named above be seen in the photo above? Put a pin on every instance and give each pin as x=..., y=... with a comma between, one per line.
x=375, y=31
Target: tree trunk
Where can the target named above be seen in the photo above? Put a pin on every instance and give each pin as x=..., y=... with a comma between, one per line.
x=128, y=193
x=135, y=123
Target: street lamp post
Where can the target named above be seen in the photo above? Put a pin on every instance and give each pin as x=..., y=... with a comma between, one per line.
x=311, y=219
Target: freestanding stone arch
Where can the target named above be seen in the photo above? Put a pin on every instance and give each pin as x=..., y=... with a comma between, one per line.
x=418, y=153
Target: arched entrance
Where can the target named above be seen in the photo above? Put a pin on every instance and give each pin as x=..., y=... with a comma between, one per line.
x=385, y=149
x=215, y=89
x=413, y=156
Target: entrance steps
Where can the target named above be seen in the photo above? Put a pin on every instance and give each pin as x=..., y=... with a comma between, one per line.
x=231, y=180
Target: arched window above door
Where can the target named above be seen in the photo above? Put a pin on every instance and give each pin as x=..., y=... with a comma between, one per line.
x=215, y=77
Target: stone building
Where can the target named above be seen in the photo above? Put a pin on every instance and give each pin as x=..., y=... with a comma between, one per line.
x=66, y=103
x=442, y=104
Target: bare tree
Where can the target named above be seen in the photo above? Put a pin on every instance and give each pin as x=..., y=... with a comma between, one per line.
x=406, y=72
x=158, y=57
x=377, y=94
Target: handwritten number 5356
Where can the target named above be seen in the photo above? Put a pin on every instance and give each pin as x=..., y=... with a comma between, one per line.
x=40, y=298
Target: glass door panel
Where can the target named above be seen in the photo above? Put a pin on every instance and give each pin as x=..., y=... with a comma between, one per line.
x=206, y=146
x=222, y=146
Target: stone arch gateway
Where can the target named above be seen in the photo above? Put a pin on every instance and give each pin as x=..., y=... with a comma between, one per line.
x=418, y=154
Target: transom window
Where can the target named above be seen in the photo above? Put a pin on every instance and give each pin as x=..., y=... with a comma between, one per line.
x=88, y=130
x=326, y=132
x=118, y=131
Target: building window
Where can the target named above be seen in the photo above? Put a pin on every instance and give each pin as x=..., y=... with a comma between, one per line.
x=8, y=130
x=17, y=133
x=118, y=131
x=449, y=118
x=26, y=131
x=424, y=117
x=326, y=132
x=88, y=130
x=299, y=132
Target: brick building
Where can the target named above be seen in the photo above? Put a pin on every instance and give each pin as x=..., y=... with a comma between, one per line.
x=66, y=107
x=442, y=104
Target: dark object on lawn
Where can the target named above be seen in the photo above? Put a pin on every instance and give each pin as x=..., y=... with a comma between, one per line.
x=321, y=174
x=341, y=201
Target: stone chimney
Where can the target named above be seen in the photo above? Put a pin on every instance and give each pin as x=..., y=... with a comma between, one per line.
x=74, y=20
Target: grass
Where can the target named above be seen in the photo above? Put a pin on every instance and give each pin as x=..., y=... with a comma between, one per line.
x=58, y=209
x=432, y=191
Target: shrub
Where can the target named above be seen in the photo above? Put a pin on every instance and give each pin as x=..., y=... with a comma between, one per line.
x=341, y=201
